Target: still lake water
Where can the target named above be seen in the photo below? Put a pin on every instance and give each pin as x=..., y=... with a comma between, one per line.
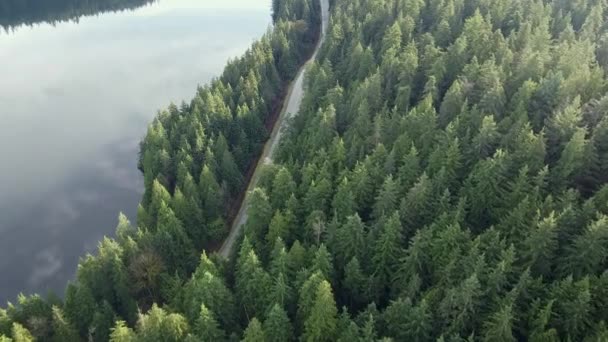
x=75, y=100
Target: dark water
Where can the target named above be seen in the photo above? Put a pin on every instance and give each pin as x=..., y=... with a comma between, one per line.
x=75, y=99
x=14, y=13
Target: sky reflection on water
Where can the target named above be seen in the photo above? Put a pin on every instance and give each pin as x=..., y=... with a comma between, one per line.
x=75, y=99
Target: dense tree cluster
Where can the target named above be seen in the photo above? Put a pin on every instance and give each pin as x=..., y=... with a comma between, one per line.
x=445, y=180
x=15, y=13
x=447, y=173
x=194, y=159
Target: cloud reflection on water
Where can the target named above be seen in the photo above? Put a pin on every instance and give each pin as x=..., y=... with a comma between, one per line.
x=75, y=99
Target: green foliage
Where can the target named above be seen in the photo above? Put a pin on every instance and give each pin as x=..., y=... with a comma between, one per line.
x=320, y=325
x=444, y=180
x=207, y=288
x=254, y=332
x=350, y=240
x=387, y=250
x=207, y=328
x=158, y=325
x=171, y=242
x=499, y=326
x=21, y=334
x=5, y=323
x=259, y=217
x=62, y=329
x=252, y=284
x=283, y=187
x=277, y=326
x=355, y=284
x=122, y=333
x=408, y=322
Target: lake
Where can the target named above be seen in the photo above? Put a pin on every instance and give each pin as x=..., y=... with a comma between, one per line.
x=75, y=100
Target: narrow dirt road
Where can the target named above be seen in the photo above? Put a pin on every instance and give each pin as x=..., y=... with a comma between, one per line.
x=290, y=108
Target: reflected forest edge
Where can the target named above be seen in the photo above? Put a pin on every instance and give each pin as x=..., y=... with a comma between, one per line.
x=445, y=180
x=14, y=13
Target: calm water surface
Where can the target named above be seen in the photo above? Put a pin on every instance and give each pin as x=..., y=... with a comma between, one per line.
x=75, y=100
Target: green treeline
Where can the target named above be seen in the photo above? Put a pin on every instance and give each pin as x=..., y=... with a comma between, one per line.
x=447, y=176
x=445, y=180
x=14, y=13
x=194, y=159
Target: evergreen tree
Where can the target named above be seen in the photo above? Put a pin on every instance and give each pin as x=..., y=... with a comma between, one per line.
x=344, y=203
x=355, y=284
x=254, y=332
x=207, y=288
x=387, y=250
x=278, y=228
x=62, y=329
x=252, y=284
x=386, y=202
x=79, y=307
x=588, y=251
x=283, y=187
x=158, y=325
x=122, y=333
x=207, y=328
x=500, y=325
x=259, y=217
x=209, y=193
x=21, y=334
x=277, y=326
x=322, y=263
x=350, y=240
x=172, y=243
x=408, y=322
x=321, y=323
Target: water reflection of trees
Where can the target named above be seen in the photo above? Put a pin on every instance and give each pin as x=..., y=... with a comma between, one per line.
x=14, y=13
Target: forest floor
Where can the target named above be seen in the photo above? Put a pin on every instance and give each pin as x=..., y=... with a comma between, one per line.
x=291, y=107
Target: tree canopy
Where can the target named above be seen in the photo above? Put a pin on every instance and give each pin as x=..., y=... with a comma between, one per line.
x=445, y=180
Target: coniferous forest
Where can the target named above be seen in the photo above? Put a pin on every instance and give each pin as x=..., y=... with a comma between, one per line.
x=445, y=180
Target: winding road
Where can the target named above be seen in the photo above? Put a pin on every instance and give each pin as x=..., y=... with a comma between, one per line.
x=290, y=108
